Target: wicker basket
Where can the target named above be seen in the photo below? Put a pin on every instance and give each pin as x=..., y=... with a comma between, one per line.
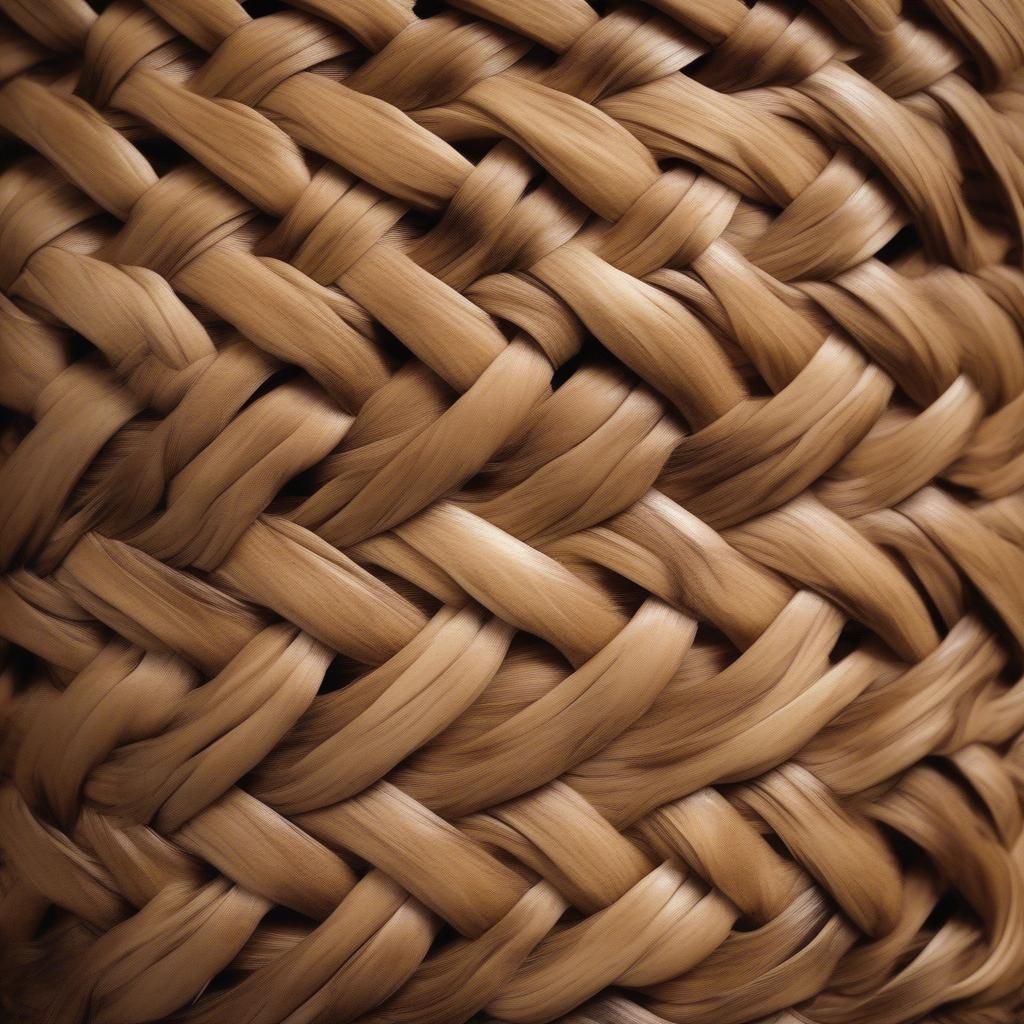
x=511, y=510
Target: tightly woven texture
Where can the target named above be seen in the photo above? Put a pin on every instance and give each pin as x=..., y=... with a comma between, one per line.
x=512, y=510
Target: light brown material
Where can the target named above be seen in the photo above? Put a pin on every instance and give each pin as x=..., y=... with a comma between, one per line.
x=512, y=510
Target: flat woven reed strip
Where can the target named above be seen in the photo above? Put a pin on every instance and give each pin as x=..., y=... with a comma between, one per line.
x=512, y=510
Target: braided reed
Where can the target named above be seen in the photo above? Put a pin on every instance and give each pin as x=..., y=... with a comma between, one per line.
x=512, y=510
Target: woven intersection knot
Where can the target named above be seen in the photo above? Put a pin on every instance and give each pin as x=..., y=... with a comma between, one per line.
x=512, y=510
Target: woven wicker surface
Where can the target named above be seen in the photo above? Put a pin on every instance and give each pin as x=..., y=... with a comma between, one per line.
x=511, y=510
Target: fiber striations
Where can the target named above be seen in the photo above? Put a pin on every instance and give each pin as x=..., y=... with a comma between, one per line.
x=512, y=510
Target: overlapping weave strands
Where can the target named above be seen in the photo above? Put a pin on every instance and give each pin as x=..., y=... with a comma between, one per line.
x=511, y=510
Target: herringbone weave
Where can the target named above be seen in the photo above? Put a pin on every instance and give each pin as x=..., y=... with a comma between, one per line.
x=512, y=510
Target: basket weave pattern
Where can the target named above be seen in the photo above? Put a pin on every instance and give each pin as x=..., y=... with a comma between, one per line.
x=512, y=510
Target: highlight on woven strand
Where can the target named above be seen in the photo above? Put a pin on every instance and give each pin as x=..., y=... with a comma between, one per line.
x=512, y=510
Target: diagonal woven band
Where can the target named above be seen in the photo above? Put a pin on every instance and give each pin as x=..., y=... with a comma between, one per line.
x=512, y=510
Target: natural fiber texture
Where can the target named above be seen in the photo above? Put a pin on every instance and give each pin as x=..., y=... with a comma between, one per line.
x=512, y=509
